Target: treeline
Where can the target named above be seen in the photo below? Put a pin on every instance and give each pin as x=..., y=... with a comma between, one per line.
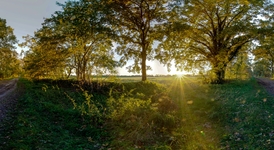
x=9, y=62
x=217, y=38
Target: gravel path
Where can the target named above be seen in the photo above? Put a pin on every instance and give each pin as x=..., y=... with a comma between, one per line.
x=8, y=96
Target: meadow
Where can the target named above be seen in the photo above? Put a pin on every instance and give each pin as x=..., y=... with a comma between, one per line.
x=162, y=113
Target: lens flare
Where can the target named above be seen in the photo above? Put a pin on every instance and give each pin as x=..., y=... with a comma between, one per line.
x=179, y=75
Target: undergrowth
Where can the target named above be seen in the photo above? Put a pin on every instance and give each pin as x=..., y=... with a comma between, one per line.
x=56, y=115
x=176, y=114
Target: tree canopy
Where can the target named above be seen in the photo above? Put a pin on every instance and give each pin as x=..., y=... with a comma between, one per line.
x=9, y=63
x=136, y=24
x=195, y=34
x=264, y=52
x=211, y=33
x=72, y=40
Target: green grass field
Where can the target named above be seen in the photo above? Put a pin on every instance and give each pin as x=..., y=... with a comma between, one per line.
x=164, y=113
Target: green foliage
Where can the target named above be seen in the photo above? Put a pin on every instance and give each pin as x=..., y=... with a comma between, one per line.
x=264, y=54
x=9, y=63
x=138, y=122
x=62, y=114
x=70, y=114
x=71, y=41
x=43, y=59
x=262, y=68
x=211, y=33
x=137, y=26
x=240, y=68
x=45, y=119
x=146, y=89
x=205, y=35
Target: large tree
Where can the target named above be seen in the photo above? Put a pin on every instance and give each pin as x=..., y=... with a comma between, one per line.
x=9, y=63
x=136, y=23
x=77, y=32
x=212, y=32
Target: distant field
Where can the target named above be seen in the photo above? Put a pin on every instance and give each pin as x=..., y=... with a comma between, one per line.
x=149, y=78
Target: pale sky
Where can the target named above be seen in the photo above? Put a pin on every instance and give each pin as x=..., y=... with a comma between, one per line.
x=26, y=16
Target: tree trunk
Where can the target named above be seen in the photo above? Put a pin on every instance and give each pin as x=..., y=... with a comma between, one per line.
x=77, y=63
x=219, y=75
x=144, y=68
x=84, y=70
x=69, y=73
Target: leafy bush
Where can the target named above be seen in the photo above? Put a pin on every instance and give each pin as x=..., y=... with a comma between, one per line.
x=136, y=115
x=135, y=121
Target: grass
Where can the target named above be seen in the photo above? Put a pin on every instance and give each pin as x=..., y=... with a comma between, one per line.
x=169, y=113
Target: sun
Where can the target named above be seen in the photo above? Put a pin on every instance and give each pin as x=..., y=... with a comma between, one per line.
x=179, y=76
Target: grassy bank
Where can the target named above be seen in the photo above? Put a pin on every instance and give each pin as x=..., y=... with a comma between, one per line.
x=179, y=113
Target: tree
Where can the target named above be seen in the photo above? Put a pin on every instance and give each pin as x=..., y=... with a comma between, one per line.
x=90, y=47
x=46, y=56
x=136, y=23
x=9, y=63
x=261, y=68
x=264, y=52
x=240, y=67
x=76, y=35
x=213, y=32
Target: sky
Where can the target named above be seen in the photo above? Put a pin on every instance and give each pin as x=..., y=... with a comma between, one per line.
x=26, y=17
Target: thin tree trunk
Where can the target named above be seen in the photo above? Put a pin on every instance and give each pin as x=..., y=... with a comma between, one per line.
x=77, y=68
x=144, y=71
x=69, y=73
x=84, y=70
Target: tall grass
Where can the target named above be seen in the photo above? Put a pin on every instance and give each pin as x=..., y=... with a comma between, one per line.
x=179, y=113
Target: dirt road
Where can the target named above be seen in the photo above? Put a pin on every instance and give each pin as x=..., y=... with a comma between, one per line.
x=7, y=98
x=7, y=86
x=268, y=84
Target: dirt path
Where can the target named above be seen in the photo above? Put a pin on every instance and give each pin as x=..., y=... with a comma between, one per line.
x=7, y=98
x=6, y=87
x=268, y=84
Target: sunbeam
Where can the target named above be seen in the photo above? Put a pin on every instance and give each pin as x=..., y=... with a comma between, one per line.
x=188, y=92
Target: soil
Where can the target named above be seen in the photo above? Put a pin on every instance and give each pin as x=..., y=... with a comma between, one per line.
x=268, y=84
x=8, y=96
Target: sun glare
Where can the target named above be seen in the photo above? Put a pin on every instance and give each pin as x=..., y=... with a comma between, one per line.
x=179, y=75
